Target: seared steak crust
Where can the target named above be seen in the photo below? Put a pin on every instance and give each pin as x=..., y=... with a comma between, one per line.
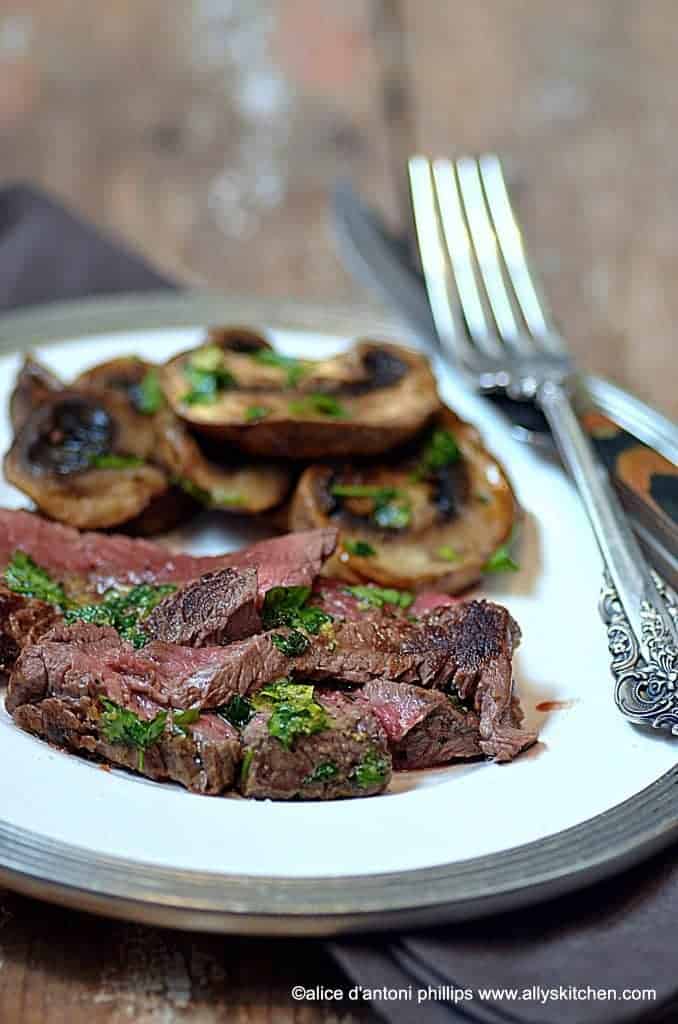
x=205, y=759
x=323, y=766
x=23, y=620
x=424, y=728
x=216, y=608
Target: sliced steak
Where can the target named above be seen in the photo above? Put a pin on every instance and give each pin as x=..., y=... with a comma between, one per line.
x=348, y=758
x=105, y=560
x=484, y=638
x=465, y=648
x=23, y=620
x=217, y=608
x=424, y=727
x=204, y=757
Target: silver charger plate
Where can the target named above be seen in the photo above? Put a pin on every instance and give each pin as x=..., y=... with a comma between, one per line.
x=635, y=819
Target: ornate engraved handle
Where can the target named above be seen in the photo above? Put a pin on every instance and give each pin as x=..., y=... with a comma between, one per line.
x=646, y=673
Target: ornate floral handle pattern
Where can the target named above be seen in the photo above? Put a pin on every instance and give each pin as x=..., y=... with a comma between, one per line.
x=645, y=672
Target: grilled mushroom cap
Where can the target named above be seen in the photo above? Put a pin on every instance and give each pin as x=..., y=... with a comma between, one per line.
x=363, y=401
x=82, y=457
x=211, y=475
x=430, y=517
x=33, y=385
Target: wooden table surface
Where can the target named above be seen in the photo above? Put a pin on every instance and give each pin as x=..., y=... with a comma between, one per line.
x=207, y=134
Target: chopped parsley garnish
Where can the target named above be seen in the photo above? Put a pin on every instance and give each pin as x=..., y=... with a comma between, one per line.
x=125, y=611
x=441, y=450
x=294, y=712
x=149, y=396
x=238, y=711
x=447, y=553
x=110, y=460
x=119, y=725
x=323, y=772
x=292, y=645
x=393, y=515
x=372, y=770
x=206, y=375
x=380, y=494
x=246, y=765
x=208, y=358
x=256, y=412
x=324, y=405
x=377, y=597
x=24, y=576
x=287, y=606
x=216, y=498
x=391, y=509
x=180, y=719
x=358, y=547
x=294, y=368
x=501, y=561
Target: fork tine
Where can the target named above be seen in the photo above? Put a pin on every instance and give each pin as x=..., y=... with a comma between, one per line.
x=460, y=252
x=437, y=274
x=487, y=251
x=532, y=305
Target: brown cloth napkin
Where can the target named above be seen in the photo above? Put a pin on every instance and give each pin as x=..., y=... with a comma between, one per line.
x=47, y=254
x=619, y=935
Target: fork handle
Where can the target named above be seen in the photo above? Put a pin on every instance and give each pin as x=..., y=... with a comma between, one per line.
x=627, y=569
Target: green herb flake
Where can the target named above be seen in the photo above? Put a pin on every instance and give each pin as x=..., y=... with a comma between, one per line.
x=379, y=494
x=372, y=770
x=326, y=771
x=377, y=597
x=226, y=499
x=110, y=460
x=238, y=711
x=206, y=376
x=358, y=547
x=208, y=358
x=294, y=368
x=287, y=606
x=323, y=405
x=440, y=451
x=217, y=498
x=124, y=611
x=149, y=396
x=180, y=719
x=24, y=576
x=501, y=561
x=482, y=498
x=447, y=553
x=119, y=725
x=294, y=712
x=246, y=765
x=393, y=515
x=391, y=509
x=256, y=412
x=292, y=644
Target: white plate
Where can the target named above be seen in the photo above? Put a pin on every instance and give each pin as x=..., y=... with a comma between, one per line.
x=588, y=759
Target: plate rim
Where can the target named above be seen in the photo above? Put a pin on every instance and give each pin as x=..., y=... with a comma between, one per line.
x=266, y=905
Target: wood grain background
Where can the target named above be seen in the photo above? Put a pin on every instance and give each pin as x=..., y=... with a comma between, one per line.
x=207, y=132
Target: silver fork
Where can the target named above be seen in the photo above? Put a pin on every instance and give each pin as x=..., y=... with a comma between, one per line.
x=492, y=320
